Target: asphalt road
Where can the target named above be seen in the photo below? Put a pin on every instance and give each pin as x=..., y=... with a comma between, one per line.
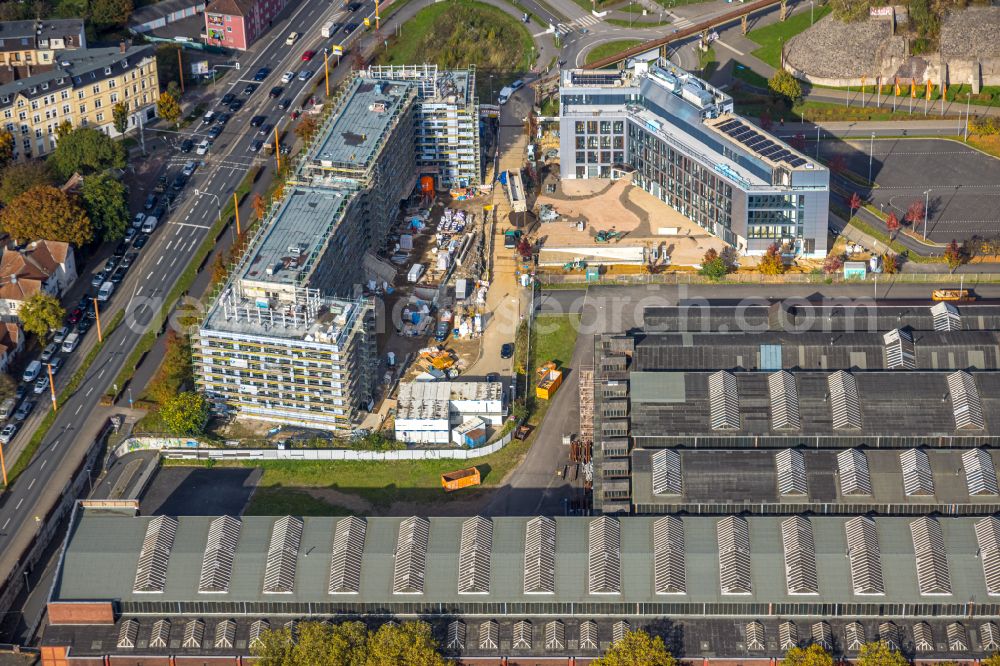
x=163, y=260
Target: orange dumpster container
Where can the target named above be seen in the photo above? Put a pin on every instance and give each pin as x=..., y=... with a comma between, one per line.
x=549, y=380
x=460, y=479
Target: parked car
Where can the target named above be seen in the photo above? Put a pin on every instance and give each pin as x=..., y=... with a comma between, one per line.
x=24, y=410
x=83, y=326
x=41, y=383
x=98, y=279
x=60, y=335
x=141, y=241
x=49, y=351
x=128, y=260
x=227, y=99
x=20, y=391
x=275, y=92
x=149, y=226
x=203, y=147
x=161, y=184
x=189, y=168
x=138, y=220
x=250, y=89
x=180, y=180
x=150, y=201
x=262, y=74
x=110, y=264
x=308, y=55
x=287, y=77
x=120, y=250
x=74, y=316
x=118, y=275
x=130, y=234
x=506, y=350
x=187, y=145
x=56, y=364
x=257, y=121
x=8, y=433
x=70, y=343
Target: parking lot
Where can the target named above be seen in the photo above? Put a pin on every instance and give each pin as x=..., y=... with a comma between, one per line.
x=196, y=491
x=962, y=184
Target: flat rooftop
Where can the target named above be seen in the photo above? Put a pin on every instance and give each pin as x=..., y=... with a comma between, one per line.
x=730, y=481
x=430, y=400
x=360, y=124
x=295, y=236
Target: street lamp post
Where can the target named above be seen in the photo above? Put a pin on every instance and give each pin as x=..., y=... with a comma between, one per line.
x=811, y=7
x=871, y=154
x=927, y=194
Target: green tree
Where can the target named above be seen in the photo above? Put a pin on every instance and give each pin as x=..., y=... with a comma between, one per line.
x=878, y=653
x=86, y=150
x=167, y=68
x=19, y=177
x=849, y=10
x=992, y=660
x=6, y=148
x=772, y=263
x=785, y=85
x=47, y=213
x=713, y=266
x=637, y=648
x=41, y=313
x=349, y=644
x=105, y=199
x=175, y=372
x=168, y=108
x=120, y=115
x=814, y=655
x=185, y=414
x=110, y=13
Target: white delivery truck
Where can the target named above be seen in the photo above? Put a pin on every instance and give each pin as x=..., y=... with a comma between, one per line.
x=104, y=293
x=327, y=29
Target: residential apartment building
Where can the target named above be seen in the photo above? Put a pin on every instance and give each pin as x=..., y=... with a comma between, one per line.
x=81, y=88
x=679, y=139
x=26, y=46
x=43, y=266
x=289, y=340
x=236, y=24
x=446, y=122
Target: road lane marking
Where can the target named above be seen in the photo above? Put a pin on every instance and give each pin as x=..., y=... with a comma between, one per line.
x=188, y=224
x=138, y=291
x=173, y=261
x=101, y=373
x=736, y=51
x=78, y=409
x=178, y=228
x=159, y=260
x=148, y=277
x=89, y=391
x=5, y=523
x=19, y=503
x=44, y=462
x=169, y=244
x=122, y=343
x=31, y=484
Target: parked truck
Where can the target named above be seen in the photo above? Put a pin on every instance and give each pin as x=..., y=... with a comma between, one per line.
x=328, y=29
x=461, y=478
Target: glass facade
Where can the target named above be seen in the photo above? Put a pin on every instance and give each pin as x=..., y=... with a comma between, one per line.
x=678, y=180
x=599, y=144
x=775, y=216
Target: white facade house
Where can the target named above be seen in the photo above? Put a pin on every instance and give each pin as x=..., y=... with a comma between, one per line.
x=426, y=412
x=47, y=266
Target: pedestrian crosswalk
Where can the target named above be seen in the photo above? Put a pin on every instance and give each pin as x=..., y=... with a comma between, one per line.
x=680, y=22
x=584, y=21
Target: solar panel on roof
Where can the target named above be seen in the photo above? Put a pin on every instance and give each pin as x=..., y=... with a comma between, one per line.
x=728, y=125
x=767, y=145
x=770, y=151
x=796, y=161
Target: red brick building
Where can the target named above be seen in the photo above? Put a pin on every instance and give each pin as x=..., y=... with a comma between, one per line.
x=235, y=24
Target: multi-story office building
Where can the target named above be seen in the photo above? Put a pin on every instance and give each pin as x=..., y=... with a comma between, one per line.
x=81, y=87
x=446, y=122
x=236, y=24
x=679, y=139
x=289, y=340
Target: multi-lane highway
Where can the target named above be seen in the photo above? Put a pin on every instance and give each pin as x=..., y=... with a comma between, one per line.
x=168, y=253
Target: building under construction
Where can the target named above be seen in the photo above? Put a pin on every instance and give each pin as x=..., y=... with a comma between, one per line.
x=446, y=121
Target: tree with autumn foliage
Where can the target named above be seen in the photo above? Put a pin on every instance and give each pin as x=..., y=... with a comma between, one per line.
x=7, y=145
x=168, y=107
x=953, y=255
x=892, y=224
x=915, y=212
x=637, y=648
x=772, y=263
x=890, y=265
x=834, y=263
x=814, y=655
x=47, y=213
x=175, y=371
x=713, y=266
x=259, y=207
x=879, y=653
x=854, y=202
x=307, y=127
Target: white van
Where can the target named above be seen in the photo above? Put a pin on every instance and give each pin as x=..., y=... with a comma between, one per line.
x=505, y=94
x=31, y=372
x=103, y=294
x=7, y=408
x=149, y=225
x=291, y=39
x=72, y=340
